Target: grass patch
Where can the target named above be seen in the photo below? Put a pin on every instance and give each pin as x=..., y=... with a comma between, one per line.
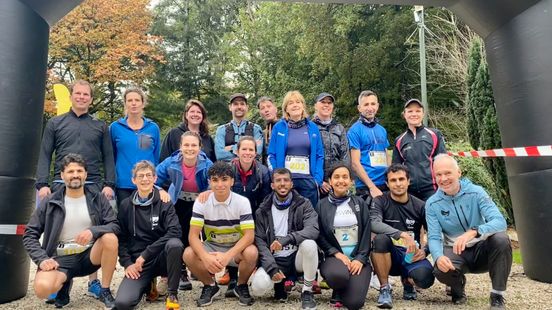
x=516, y=254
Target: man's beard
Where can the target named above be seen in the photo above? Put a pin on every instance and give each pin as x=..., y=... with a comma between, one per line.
x=74, y=185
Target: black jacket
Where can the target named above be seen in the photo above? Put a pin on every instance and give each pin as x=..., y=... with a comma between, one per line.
x=84, y=135
x=145, y=229
x=49, y=217
x=257, y=186
x=416, y=153
x=327, y=241
x=171, y=143
x=302, y=225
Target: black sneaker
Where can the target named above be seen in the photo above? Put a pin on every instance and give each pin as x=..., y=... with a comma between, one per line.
x=107, y=298
x=208, y=293
x=62, y=297
x=458, y=293
x=307, y=300
x=497, y=302
x=280, y=294
x=242, y=291
x=230, y=290
x=184, y=283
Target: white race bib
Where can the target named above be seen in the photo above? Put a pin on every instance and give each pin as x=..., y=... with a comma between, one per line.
x=230, y=238
x=298, y=164
x=347, y=235
x=378, y=159
x=71, y=248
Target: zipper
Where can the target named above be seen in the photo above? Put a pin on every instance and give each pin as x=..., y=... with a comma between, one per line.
x=458, y=216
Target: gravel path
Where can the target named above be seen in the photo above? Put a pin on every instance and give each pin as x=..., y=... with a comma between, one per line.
x=523, y=293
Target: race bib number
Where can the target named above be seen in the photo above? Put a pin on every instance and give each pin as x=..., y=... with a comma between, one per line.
x=347, y=235
x=71, y=248
x=225, y=238
x=298, y=164
x=378, y=159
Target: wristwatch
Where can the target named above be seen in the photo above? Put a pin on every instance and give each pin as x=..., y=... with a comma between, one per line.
x=476, y=228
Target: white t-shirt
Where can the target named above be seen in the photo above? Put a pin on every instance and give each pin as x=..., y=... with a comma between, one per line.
x=77, y=218
x=346, y=228
x=280, y=219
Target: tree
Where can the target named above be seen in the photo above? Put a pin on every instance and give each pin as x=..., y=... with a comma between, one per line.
x=483, y=128
x=107, y=43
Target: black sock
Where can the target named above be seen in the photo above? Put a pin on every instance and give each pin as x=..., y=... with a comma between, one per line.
x=233, y=272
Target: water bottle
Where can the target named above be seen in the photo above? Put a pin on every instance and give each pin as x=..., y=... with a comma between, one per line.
x=409, y=256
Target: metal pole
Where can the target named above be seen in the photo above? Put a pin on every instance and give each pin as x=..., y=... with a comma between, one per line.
x=419, y=17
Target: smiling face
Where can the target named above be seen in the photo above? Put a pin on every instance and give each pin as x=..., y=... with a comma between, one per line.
x=368, y=106
x=239, y=108
x=268, y=111
x=74, y=176
x=144, y=179
x=247, y=152
x=447, y=175
x=324, y=108
x=340, y=181
x=190, y=147
x=281, y=184
x=221, y=185
x=81, y=98
x=295, y=109
x=413, y=114
x=134, y=104
x=194, y=115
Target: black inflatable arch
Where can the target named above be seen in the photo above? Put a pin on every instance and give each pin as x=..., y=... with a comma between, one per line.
x=518, y=39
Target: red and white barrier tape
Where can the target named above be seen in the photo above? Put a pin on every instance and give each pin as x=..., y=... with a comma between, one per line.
x=528, y=151
x=7, y=229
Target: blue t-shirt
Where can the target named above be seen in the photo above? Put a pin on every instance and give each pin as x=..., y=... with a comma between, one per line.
x=366, y=139
x=298, y=145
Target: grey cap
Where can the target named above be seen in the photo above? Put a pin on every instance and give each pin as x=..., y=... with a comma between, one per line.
x=413, y=100
x=236, y=96
x=324, y=95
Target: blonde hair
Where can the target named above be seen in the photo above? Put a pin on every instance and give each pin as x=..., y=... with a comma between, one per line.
x=291, y=95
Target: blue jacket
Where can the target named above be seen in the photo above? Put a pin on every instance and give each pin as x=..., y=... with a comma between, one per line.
x=278, y=147
x=448, y=217
x=171, y=170
x=130, y=147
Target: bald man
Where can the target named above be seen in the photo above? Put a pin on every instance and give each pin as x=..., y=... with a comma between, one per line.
x=466, y=233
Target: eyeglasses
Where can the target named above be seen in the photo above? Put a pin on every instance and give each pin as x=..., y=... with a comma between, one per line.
x=144, y=176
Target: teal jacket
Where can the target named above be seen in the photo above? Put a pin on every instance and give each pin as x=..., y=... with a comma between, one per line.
x=448, y=217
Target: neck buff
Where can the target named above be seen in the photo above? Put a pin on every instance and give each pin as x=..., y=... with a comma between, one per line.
x=338, y=200
x=367, y=122
x=317, y=119
x=282, y=205
x=297, y=124
x=143, y=202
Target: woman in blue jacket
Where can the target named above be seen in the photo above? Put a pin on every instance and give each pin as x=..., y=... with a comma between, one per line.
x=134, y=138
x=186, y=170
x=296, y=144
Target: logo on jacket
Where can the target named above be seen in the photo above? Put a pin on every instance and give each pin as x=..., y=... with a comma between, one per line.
x=154, y=221
x=445, y=213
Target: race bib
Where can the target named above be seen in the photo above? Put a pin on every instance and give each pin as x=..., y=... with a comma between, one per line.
x=378, y=159
x=400, y=242
x=298, y=164
x=347, y=235
x=187, y=196
x=225, y=238
x=71, y=248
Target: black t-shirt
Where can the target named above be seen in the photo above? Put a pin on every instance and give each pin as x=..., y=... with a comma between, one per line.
x=409, y=216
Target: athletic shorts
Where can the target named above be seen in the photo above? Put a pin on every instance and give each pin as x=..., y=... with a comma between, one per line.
x=400, y=268
x=214, y=247
x=76, y=265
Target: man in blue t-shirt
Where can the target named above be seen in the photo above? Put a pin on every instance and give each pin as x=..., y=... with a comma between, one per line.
x=368, y=143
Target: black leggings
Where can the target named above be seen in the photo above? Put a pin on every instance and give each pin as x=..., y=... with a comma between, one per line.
x=184, y=212
x=352, y=289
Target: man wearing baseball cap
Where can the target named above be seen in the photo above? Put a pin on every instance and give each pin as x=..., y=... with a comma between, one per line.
x=227, y=135
x=416, y=148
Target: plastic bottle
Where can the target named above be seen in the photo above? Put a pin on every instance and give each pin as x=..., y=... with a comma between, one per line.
x=409, y=256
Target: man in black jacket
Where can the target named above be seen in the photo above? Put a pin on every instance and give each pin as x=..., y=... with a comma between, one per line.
x=149, y=241
x=79, y=235
x=285, y=232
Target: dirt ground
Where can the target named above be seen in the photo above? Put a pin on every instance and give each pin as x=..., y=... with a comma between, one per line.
x=522, y=293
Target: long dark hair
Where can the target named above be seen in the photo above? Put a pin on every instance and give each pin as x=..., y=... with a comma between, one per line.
x=204, y=126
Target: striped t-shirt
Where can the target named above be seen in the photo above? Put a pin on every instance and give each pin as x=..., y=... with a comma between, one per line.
x=223, y=222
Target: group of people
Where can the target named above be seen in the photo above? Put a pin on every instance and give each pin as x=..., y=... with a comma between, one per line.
x=273, y=207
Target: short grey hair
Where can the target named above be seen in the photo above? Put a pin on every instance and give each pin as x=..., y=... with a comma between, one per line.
x=444, y=156
x=263, y=99
x=366, y=93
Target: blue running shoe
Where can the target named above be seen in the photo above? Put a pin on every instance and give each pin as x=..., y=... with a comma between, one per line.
x=94, y=288
x=385, y=299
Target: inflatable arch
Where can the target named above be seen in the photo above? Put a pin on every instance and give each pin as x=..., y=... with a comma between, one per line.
x=518, y=39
